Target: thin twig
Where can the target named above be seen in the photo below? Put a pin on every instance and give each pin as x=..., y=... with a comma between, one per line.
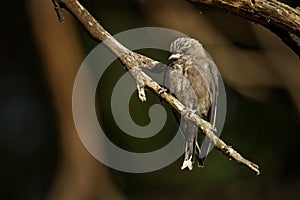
x=58, y=11
x=134, y=62
x=278, y=17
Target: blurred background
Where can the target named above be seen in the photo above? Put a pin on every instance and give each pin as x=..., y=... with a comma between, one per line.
x=42, y=156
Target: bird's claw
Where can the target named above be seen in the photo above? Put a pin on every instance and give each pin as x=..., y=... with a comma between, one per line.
x=162, y=90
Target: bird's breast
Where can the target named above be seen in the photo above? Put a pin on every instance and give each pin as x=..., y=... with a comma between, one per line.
x=188, y=84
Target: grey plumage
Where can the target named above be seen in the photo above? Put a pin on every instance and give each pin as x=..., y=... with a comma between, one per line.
x=192, y=77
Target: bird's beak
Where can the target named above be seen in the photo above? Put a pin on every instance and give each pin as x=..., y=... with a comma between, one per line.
x=175, y=56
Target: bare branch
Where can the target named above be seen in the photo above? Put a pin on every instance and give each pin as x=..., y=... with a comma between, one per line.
x=278, y=17
x=134, y=62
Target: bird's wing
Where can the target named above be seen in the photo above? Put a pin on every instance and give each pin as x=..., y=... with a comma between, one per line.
x=214, y=92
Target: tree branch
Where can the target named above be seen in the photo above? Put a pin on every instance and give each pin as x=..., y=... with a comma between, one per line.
x=134, y=63
x=278, y=17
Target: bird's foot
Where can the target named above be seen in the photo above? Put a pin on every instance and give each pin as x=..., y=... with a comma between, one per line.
x=162, y=90
x=195, y=111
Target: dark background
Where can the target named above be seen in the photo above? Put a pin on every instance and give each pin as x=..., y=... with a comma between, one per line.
x=266, y=131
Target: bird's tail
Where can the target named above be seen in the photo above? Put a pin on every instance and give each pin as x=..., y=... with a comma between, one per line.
x=190, y=148
x=202, y=153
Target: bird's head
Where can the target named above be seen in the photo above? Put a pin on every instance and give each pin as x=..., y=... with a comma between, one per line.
x=186, y=49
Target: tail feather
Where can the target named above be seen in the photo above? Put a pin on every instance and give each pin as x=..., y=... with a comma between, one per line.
x=190, y=147
x=198, y=157
x=202, y=153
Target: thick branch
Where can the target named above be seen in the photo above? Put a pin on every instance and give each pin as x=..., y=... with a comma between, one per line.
x=134, y=62
x=279, y=18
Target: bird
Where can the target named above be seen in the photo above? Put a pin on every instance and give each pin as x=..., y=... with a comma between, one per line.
x=193, y=78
